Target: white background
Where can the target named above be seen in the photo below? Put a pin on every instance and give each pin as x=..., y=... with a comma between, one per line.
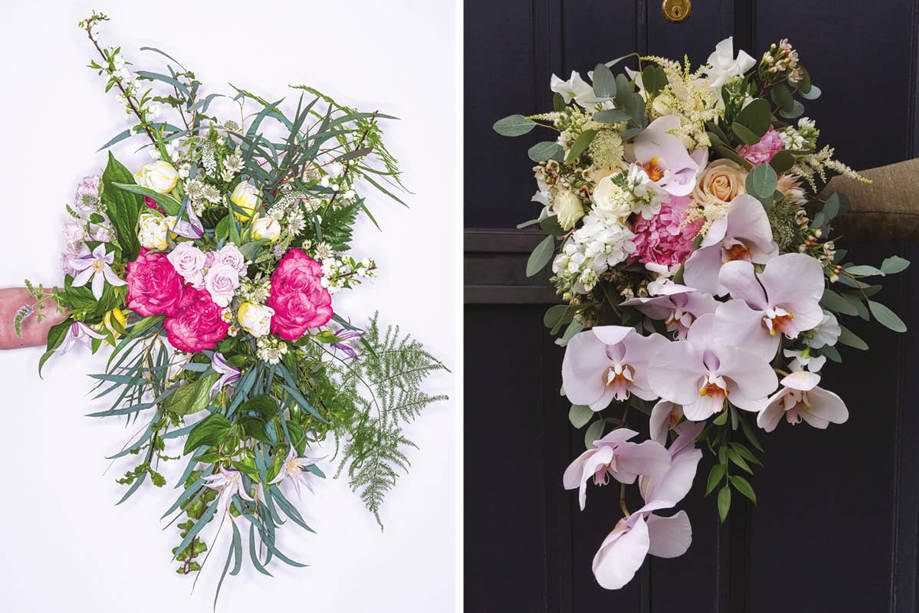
x=66, y=547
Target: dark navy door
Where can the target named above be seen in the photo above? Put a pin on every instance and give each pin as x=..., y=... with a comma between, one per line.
x=835, y=529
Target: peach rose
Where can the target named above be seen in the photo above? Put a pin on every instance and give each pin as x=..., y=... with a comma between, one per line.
x=720, y=182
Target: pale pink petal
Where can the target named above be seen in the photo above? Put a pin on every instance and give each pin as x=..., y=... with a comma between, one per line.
x=647, y=458
x=825, y=405
x=672, y=486
x=802, y=380
x=98, y=285
x=740, y=280
x=659, y=422
x=770, y=417
x=750, y=372
x=611, y=335
x=582, y=369
x=81, y=279
x=701, y=270
x=792, y=277
x=739, y=325
x=715, y=234
x=677, y=373
x=748, y=222
x=583, y=468
x=703, y=407
x=621, y=555
x=669, y=537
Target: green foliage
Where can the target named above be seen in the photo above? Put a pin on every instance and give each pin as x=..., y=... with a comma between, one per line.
x=123, y=207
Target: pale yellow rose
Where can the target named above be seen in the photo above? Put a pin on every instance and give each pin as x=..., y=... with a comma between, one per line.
x=567, y=207
x=255, y=318
x=720, y=183
x=265, y=227
x=245, y=196
x=153, y=231
x=159, y=176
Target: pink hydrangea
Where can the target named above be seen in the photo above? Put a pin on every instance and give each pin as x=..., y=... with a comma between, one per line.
x=665, y=239
x=763, y=151
x=154, y=286
x=196, y=324
x=297, y=296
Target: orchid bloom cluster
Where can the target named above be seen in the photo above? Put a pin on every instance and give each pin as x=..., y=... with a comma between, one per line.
x=694, y=252
x=210, y=269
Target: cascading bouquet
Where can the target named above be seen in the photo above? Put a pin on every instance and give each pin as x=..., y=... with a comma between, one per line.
x=695, y=257
x=211, y=272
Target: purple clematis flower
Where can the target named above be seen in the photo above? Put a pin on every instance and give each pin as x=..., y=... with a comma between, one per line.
x=801, y=399
x=294, y=470
x=678, y=305
x=346, y=335
x=614, y=456
x=743, y=234
x=228, y=482
x=193, y=228
x=78, y=332
x=645, y=533
x=703, y=371
x=609, y=362
x=95, y=266
x=783, y=299
x=228, y=374
x=665, y=158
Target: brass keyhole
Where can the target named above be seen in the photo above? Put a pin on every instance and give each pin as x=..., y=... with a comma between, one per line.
x=676, y=10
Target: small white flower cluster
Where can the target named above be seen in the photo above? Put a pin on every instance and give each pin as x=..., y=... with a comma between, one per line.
x=601, y=243
x=254, y=290
x=800, y=138
x=618, y=196
x=345, y=272
x=270, y=349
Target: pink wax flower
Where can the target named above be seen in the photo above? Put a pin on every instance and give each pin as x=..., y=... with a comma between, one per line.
x=665, y=239
x=154, y=286
x=763, y=151
x=196, y=324
x=297, y=296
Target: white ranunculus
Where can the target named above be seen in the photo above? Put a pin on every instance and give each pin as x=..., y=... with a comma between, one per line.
x=153, y=231
x=722, y=66
x=610, y=199
x=567, y=207
x=245, y=196
x=255, y=318
x=159, y=176
x=265, y=227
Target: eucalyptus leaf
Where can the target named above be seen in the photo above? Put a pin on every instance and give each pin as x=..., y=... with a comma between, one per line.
x=514, y=125
x=761, y=182
x=546, y=150
x=894, y=264
x=579, y=415
x=886, y=317
x=541, y=256
x=604, y=83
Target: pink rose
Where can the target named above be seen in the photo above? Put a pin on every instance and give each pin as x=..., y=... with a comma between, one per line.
x=188, y=261
x=221, y=281
x=196, y=324
x=231, y=256
x=763, y=151
x=154, y=286
x=297, y=296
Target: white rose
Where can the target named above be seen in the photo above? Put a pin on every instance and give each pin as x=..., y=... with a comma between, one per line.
x=611, y=200
x=265, y=227
x=221, y=282
x=159, y=176
x=255, y=318
x=188, y=261
x=567, y=206
x=245, y=196
x=153, y=231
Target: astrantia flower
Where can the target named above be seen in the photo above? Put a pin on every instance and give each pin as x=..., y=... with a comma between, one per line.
x=608, y=362
x=229, y=483
x=613, y=456
x=294, y=470
x=783, y=299
x=801, y=399
x=95, y=266
x=665, y=238
x=743, y=234
x=703, y=371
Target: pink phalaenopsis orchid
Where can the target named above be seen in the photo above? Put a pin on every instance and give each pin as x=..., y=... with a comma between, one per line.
x=95, y=266
x=665, y=158
x=743, y=234
x=706, y=369
x=609, y=362
x=783, y=299
x=677, y=305
x=643, y=532
x=666, y=416
x=614, y=456
x=801, y=399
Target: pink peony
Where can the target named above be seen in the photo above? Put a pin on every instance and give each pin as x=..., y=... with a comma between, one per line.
x=297, y=296
x=665, y=239
x=154, y=286
x=763, y=151
x=196, y=324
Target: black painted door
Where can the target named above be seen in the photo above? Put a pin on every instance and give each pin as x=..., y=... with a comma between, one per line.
x=835, y=529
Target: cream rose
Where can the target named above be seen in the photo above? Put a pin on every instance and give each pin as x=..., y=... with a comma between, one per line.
x=153, y=231
x=159, y=176
x=265, y=227
x=255, y=318
x=720, y=183
x=245, y=196
x=611, y=200
x=567, y=207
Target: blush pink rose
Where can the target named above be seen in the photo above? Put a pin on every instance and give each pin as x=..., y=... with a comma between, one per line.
x=196, y=324
x=763, y=151
x=297, y=296
x=154, y=286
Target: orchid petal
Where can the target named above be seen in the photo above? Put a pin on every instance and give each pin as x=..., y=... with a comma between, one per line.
x=669, y=537
x=621, y=555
